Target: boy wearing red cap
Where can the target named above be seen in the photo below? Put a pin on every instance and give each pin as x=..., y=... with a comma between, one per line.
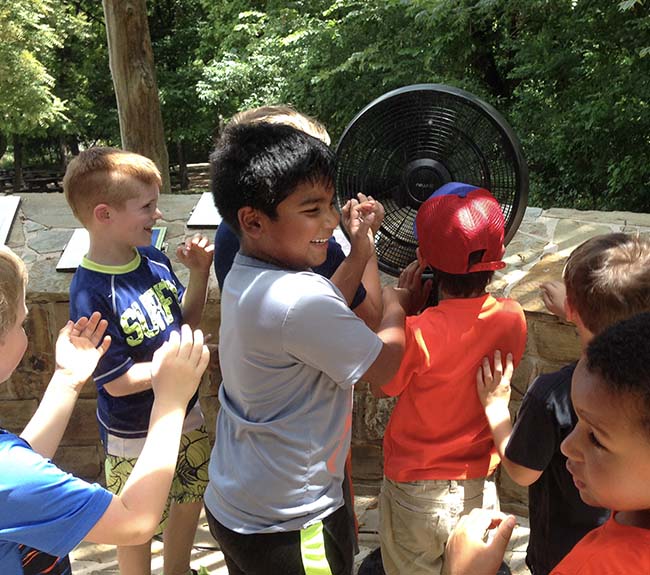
x=438, y=449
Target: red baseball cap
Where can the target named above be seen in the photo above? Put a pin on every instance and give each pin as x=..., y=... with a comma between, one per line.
x=457, y=220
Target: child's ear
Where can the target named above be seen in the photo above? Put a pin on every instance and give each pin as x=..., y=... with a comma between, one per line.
x=569, y=313
x=250, y=221
x=102, y=213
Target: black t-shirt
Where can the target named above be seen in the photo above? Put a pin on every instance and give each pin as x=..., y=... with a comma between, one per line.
x=558, y=516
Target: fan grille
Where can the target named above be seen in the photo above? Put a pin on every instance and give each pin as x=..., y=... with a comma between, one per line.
x=406, y=144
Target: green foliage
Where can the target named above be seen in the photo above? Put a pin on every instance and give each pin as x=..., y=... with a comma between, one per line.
x=29, y=38
x=568, y=74
x=571, y=76
x=581, y=105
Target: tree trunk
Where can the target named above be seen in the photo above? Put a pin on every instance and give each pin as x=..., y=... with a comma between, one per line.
x=18, y=163
x=134, y=79
x=62, y=156
x=182, y=166
x=3, y=144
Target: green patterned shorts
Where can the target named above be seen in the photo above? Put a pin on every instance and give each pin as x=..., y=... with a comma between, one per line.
x=190, y=477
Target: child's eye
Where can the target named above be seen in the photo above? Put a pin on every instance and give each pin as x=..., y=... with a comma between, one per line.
x=595, y=441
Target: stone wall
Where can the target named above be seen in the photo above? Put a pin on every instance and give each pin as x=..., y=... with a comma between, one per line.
x=44, y=225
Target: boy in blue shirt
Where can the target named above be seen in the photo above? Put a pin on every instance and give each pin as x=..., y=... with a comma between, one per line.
x=114, y=194
x=291, y=351
x=47, y=512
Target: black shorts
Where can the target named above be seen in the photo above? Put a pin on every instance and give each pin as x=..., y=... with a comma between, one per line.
x=328, y=544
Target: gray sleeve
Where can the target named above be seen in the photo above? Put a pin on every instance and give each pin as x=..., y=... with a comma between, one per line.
x=321, y=331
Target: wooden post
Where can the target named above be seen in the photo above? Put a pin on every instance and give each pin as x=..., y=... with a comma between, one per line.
x=134, y=79
x=18, y=163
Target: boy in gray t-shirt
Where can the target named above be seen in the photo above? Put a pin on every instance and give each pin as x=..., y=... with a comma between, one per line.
x=290, y=351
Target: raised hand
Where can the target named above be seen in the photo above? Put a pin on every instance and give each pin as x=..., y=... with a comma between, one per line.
x=196, y=253
x=377, y=209
x=411, y=279
x=358, y=218
x=554, y=297
x=178, y=365
x=79, y=347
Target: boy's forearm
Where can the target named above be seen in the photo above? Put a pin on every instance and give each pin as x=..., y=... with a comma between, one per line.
x=391, y=332
x=137, y=379
x=498, y=416
x=133, y=516
x=47, y=426
x=372, y=306
x=347, y=276
x=195, y=297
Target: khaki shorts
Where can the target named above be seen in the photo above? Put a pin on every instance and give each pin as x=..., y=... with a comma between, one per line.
x=416, y=519
x=190, y=478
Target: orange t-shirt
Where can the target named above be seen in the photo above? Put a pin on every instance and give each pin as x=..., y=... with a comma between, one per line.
x=438, y=429
x=611, y=549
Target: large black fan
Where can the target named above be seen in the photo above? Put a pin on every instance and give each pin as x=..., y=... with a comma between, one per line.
x=407, y=143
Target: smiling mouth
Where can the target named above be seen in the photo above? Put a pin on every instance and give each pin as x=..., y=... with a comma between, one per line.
x=320, y=241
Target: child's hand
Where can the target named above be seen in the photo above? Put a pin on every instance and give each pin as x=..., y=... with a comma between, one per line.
x=377, y=209
x=554, y=296
x=178, y=365
x=493, y=389
x=79, y=347
x=478, y=543
x=358, y=218
x=196, y=253
x=411, y=279
x=400, y=295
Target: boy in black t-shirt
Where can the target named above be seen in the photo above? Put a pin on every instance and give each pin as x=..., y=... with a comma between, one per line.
x=607, y=279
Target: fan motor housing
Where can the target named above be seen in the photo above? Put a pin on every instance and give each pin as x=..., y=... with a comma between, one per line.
x=422, y=178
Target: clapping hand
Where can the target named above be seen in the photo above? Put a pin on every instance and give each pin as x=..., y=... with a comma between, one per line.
x=196, y=253
x=79, y=347
x=178, y=365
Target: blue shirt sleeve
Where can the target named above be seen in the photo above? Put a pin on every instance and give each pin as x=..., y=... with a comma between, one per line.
x=226, y=246
x=43, y=507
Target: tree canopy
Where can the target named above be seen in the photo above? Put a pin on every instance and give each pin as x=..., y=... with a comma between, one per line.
x=571, y=76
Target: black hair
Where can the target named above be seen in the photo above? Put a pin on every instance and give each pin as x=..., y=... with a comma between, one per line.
x=620, y=355
x=261, y=164
x=464, y=285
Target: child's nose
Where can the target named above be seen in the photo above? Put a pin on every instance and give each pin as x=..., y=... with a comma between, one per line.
x=569, y=446
x=158, y=215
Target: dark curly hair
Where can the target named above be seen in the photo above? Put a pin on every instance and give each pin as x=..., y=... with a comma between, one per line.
x=620, y=355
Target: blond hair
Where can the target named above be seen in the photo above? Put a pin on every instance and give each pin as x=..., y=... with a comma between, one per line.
x=13, y=280
x=282, y=114
x=105, y=175
x=607, y=279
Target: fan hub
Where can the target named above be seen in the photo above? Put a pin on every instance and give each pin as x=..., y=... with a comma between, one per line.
x=422, y=178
